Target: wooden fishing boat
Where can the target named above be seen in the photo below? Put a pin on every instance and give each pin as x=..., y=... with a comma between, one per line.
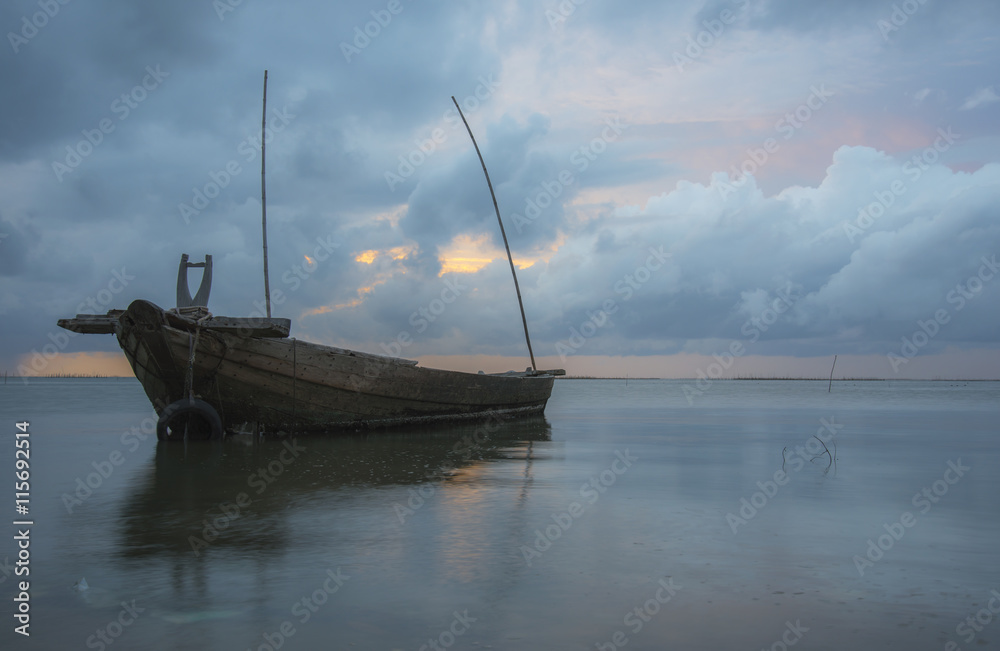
x=208, y=375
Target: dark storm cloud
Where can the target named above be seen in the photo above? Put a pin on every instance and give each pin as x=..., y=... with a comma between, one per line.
x=86, y=55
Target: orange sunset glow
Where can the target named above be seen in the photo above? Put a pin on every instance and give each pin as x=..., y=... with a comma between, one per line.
x=93, y=363
x=468, y=254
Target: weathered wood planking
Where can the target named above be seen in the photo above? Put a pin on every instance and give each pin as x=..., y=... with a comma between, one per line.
x=279, y=384
x=92, y=324
x=104, y=324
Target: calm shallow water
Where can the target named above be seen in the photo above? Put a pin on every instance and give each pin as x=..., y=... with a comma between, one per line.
x=393, y=540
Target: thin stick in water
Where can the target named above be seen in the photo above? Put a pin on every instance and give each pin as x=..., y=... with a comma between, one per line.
x=510, y=259
x=263, y=199
x=827, y=452
x=831, y=374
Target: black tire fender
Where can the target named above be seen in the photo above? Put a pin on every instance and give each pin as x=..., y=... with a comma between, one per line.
x=192, y=416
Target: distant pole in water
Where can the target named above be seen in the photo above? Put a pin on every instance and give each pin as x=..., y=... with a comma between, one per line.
x=263, y=200
x=831, y=374
x=510, y=259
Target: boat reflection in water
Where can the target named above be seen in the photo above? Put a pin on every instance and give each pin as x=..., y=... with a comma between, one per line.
x=255, y=518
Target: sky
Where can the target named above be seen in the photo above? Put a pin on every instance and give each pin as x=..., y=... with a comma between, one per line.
x=724, y=188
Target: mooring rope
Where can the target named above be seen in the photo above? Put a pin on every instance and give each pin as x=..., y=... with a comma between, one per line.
x=189, y=381
x=192, y=348
x=294, y=373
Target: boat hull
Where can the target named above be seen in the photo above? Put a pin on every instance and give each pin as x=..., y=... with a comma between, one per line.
x=283, y=386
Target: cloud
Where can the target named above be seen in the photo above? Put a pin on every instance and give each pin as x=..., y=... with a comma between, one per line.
x=982, y=97
x=540, y=100
x=728, y=254
x=732, y=254
x=921, y=95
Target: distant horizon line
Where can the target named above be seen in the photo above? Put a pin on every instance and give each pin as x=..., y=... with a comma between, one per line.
x=599, y=377
x=791, y=379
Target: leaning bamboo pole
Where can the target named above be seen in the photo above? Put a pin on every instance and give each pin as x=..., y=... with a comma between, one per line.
x=263, y=199
x=510, y=259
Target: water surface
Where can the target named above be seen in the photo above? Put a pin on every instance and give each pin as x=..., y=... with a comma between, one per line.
x=614, y=521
